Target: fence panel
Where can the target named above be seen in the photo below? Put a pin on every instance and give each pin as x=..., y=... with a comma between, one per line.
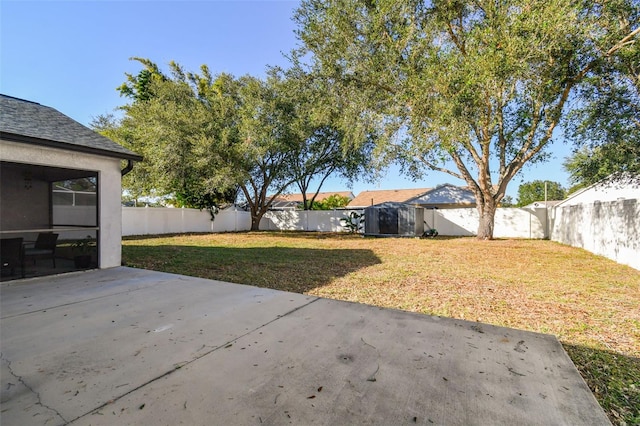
x=610, y=229
x=232, y=221
x=309, y=220
x=509, y=222
x=156, y=221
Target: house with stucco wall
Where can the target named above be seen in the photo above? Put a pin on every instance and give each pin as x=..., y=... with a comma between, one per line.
x=40, y=148
x=445, y=196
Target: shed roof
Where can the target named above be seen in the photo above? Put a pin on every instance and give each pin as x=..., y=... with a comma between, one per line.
x=393, y=205
x=29, y=122
x=446, y=194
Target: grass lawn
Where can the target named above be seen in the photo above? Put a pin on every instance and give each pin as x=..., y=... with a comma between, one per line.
x=590, y=303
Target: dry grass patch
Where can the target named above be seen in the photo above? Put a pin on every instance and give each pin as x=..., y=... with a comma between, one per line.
x=590, y=303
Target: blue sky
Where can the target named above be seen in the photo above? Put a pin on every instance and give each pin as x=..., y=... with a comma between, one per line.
x=71, y=55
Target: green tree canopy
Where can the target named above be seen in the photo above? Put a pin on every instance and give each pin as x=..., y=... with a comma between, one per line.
x=589, y=165
x=331, y=202
x=174, y=130
x=206, y=138
x=321, y=149
x=530, y=192
x=481, y=84
x=606, y=124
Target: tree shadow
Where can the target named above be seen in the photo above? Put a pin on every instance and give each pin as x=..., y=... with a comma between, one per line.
x=613, y=378
x=298, y=270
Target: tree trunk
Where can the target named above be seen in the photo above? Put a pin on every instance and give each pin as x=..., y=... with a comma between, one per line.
x=255, y=221
x=487, y=213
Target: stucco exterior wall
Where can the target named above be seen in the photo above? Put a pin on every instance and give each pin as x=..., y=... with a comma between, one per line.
x=109, y=188
x=36, y=197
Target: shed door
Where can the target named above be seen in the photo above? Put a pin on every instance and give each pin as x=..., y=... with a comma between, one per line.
x=388, y=219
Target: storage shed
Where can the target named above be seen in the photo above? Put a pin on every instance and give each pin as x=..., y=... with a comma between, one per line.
x=394, y=219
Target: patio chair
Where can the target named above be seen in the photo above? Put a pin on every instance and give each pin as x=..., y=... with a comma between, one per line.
x=11, y=256
x=44, y=248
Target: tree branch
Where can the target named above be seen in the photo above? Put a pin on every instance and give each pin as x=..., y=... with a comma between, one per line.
x=625, y=41
x=455, y=39
x=432, y=166
x=466, y=175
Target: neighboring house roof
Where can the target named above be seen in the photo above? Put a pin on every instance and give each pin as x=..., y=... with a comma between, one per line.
x=290, y=201
x=32, y=123
x=443, y=195
x=447, y=195
x=370, y=198
x=321, y=196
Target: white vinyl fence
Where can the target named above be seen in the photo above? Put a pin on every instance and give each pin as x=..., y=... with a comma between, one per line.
x=306, y=220
x=510, y=223
x=158, y=220
x=610, y=229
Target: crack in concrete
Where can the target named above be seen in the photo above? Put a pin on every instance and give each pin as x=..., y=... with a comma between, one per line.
x=181, y=365
x=37, y=394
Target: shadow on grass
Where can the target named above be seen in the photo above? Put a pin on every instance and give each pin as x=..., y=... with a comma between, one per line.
x=283, y=268
x=345, y=235
x=613, y=378
x=298, y=235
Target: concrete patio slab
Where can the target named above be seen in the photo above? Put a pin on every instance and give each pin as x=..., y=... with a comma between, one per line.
x=128, y=346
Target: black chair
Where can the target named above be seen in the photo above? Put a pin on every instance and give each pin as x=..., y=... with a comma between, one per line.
x=11, y=256
x=44, y=248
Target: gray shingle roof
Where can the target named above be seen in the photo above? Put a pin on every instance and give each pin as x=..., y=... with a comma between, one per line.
x=30, y=122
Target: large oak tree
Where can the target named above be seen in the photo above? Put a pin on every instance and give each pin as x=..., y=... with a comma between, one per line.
x=207, y=137
x=482, y=84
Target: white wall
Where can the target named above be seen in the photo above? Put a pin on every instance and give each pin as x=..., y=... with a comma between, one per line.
x=509, y=222
x=603, y=191
x=159, y=220
x=610, y=229
x=309, y=220
x=76, y=215
x=109, y=179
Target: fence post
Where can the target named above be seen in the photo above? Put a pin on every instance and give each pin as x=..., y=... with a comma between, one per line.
x=146, y=219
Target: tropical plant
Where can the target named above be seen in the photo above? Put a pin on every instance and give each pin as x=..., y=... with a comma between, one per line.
x=354, y=222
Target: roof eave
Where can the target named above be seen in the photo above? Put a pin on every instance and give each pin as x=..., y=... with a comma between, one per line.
x=67, y=146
